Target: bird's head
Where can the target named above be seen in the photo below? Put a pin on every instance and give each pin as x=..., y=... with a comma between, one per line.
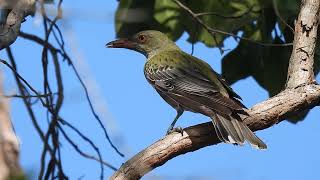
x=147, y=42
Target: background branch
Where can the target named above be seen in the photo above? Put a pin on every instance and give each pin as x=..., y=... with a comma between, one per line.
x=9, y=142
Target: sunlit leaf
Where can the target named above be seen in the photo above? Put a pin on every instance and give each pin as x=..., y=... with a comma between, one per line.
x=168, y=14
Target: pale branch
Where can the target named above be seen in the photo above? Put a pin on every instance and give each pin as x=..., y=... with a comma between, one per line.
x=9, y=142
x=301, y=62
x=301, y=93
x=17, y=10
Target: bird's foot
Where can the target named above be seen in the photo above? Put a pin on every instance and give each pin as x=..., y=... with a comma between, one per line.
x=173, y=130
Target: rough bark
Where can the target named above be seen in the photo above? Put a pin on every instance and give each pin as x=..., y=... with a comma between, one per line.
x=9, y=143
x=300, y=69
x=301, y=93
x=17, y=11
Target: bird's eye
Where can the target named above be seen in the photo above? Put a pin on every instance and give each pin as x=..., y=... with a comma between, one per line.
x=142, y=38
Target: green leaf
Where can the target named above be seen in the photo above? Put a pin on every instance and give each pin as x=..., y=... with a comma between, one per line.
x=133, y=16
x=49, y=1
x=168, y=14
x=267, y=65
x=239, y=6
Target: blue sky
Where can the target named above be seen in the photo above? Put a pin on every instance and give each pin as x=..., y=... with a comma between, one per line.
x=136, y=115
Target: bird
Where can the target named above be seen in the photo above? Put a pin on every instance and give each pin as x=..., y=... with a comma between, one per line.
x=188, y=83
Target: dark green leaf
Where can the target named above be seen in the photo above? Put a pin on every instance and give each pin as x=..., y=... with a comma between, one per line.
x=133, y=16
x=168, y=14
x=48, y=1
x=267, y=65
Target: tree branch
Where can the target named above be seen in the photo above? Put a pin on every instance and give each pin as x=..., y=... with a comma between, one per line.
x=9, y=142
x=301, y=94
x=301, y=61
x=14, y=12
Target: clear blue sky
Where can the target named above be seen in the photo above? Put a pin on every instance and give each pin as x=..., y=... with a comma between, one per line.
x=137, y=116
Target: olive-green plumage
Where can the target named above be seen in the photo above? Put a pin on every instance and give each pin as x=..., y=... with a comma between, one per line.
x=190, y=84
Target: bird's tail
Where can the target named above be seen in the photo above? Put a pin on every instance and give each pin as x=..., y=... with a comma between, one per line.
x=236, y=132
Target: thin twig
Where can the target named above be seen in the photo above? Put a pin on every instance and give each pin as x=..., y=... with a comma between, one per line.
x=42, y=42
x=52, y=168
x=213, y=31
x=24, y=92
x=93, y=110
x=249, y=10
x=100, y=160
x=276, y=10
x=28, y=96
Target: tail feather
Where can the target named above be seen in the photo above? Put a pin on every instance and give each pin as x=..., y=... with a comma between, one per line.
x=218, y=132
x=236, y=132
x=221, y=131
x=252, y=138
x=231, y=130
x=237, y=126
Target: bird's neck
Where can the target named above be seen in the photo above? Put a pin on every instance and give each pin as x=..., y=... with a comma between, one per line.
x=171, y=47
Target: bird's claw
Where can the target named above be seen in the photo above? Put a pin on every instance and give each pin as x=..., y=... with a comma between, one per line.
x=173, y=130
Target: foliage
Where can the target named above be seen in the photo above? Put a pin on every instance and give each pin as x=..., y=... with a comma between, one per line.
x=261, y=21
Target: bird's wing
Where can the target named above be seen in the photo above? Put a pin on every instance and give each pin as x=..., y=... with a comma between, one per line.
x=207, y=71
x=191, y=89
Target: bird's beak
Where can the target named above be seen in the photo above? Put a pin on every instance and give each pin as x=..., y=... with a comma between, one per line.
x=121, y=43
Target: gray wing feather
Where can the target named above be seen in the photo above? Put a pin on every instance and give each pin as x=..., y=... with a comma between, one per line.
x=190, y=84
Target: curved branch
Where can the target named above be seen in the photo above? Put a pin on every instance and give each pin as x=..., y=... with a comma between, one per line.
x=263, y=115
x=300, y=94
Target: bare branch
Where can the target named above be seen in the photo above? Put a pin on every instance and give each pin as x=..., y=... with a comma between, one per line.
x=23, y=90
x=100, y=160
x=29, y=96
x=44, y=43
x=301, y=61
x=52, y=102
